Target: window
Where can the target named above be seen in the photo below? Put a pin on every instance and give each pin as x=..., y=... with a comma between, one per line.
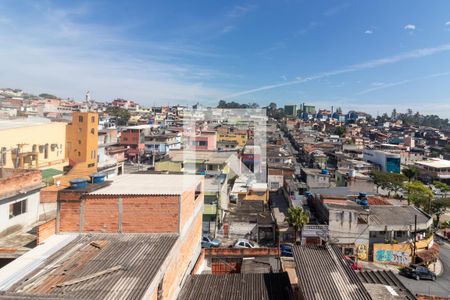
x=91, y=165
x=80, y=119
x=17, y=208
x=93, y=119
x=93, y=131
x=34, y=148
x=46, y=151
x=3, y=156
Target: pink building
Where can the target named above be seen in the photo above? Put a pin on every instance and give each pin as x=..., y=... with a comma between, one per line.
x=205, y=140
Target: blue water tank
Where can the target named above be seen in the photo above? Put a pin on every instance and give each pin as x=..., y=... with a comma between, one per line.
x=78, y=183
x=97, y=178
x=324, y=171
x=362, y=195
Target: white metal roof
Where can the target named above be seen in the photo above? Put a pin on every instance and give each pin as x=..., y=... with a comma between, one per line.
x=149, y=184
x=435, y=163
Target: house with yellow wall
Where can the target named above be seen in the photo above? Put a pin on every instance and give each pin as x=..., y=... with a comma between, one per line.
x=33, y=143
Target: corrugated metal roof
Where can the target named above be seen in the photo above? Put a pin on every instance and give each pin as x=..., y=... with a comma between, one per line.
x=396, y=215
x=149, y=184
x=323, y=274
x=99, y=266
x=385, y=278
x=273, y=286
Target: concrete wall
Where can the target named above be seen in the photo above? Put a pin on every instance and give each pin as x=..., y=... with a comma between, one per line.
x=31, y=216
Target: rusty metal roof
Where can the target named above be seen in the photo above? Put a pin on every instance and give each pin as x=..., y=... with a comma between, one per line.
x=323, y=274
x=97, y=266
x=273, y=286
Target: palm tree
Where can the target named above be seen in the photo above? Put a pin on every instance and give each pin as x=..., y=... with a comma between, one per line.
x=411, y=173
x=297, y=218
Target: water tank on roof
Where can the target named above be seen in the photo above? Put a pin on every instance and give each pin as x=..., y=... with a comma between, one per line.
x=352, y=173
x=78, y=183
x=97, y=178
x=324, y=171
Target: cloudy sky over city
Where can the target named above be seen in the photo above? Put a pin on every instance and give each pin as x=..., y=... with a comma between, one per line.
x=364, y=55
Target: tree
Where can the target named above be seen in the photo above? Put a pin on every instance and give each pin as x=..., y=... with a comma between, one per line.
x=411, y=173
x=418, y=194
x=395, y=182
x=380, y=180
x=297, y=218
x=339, y=110
x=122, y=115
x=439, y=206
x=443, y=188
x=48, y=96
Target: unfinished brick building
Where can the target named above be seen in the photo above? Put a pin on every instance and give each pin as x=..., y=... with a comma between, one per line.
x=138, y=237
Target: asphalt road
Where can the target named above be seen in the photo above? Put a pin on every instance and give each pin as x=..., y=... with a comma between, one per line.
x=440, y=287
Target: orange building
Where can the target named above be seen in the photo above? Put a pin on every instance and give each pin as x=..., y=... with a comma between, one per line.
x=81, y=145
x=82, y=139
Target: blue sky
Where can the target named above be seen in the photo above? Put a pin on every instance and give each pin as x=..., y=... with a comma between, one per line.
x=364, y=55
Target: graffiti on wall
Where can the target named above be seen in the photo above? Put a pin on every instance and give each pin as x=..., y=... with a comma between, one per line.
x=392, y=256
x=361, y=251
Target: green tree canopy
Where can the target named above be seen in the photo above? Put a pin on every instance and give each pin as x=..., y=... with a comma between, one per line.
x=122, y=115
x=418, y=194
x=297, y=218
x=411, y=173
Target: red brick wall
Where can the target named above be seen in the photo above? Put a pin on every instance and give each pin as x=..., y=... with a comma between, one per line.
x=44, y=231
x=48, y=196
x=150, y=214
x=101, y=214
x=17, y=180
x=69, y=214
x=155, y=214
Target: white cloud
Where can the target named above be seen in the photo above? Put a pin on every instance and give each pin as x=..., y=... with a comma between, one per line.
x=368, y=31
x=447, y=24
x=227, y=29
x=241, y=10
x=411, y=27
x=381, y=86
x=418, y=53
x=61, y=56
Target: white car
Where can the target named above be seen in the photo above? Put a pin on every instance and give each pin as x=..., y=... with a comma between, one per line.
x=243, y=243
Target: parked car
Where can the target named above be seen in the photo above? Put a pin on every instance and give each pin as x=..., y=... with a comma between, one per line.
x=286, y=250
x=208, y=242
x=243, y=243
x=418, y=273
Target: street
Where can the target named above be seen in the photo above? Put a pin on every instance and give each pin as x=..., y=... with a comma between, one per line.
x=440, y=287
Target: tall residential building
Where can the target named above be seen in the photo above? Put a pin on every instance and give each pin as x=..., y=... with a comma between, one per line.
x=82, y=139
x=82, y=146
